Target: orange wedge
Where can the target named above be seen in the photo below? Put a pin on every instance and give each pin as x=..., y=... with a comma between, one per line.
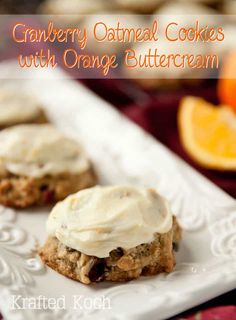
x=208, y=133
x=227, y=81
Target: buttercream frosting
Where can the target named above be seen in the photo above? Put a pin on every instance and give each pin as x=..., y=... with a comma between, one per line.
x=97, y=220
x=38, y=150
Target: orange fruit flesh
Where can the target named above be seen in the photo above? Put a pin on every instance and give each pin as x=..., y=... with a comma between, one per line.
x=227, y=81
x=208, y=133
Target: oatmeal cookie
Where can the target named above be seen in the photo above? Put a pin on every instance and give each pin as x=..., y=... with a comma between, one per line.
x=39, y=165
x=19, y=108
x=139, y=6
x=95, y=235
x=21, y=192
x=121, y=265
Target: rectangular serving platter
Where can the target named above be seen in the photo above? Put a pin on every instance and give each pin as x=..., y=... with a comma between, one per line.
x=122, y=154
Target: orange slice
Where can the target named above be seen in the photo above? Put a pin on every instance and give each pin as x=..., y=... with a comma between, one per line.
x=208, y=133
x=227, y=81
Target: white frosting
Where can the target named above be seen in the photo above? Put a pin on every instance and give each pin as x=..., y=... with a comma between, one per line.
x=17, y=107
x=68, y=7
x=98, y=220
x=143, y=5
x=229, y=44
x=37, y=150
x=126, y=20
x=165, y=47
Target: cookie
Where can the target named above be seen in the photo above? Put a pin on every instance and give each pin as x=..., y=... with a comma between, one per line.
x=111, y=20
x=19, y=108
x=139, y=6
x=68, y=7
x=39, y=165
x=150, y=72
x=119, y=234
x=229, y=8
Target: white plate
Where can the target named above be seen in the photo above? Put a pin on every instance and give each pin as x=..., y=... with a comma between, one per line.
x=122, y=153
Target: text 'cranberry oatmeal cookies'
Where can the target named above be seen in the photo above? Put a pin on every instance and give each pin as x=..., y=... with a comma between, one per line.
x=39, y=165
x=19, y=108
x=114, y=233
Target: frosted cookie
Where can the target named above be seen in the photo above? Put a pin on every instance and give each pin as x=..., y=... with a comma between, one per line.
x=17, y=108
x=139, y=6
x=228, y=44
x=68, y=7
x=39, y=165
x=169, y=76
x=72, y=11
x=211, y=3
x=115, y=233
x=109, y=19
x=185, y=14
x=229, y=8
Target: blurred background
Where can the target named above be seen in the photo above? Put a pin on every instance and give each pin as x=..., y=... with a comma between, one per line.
x=87, y=7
